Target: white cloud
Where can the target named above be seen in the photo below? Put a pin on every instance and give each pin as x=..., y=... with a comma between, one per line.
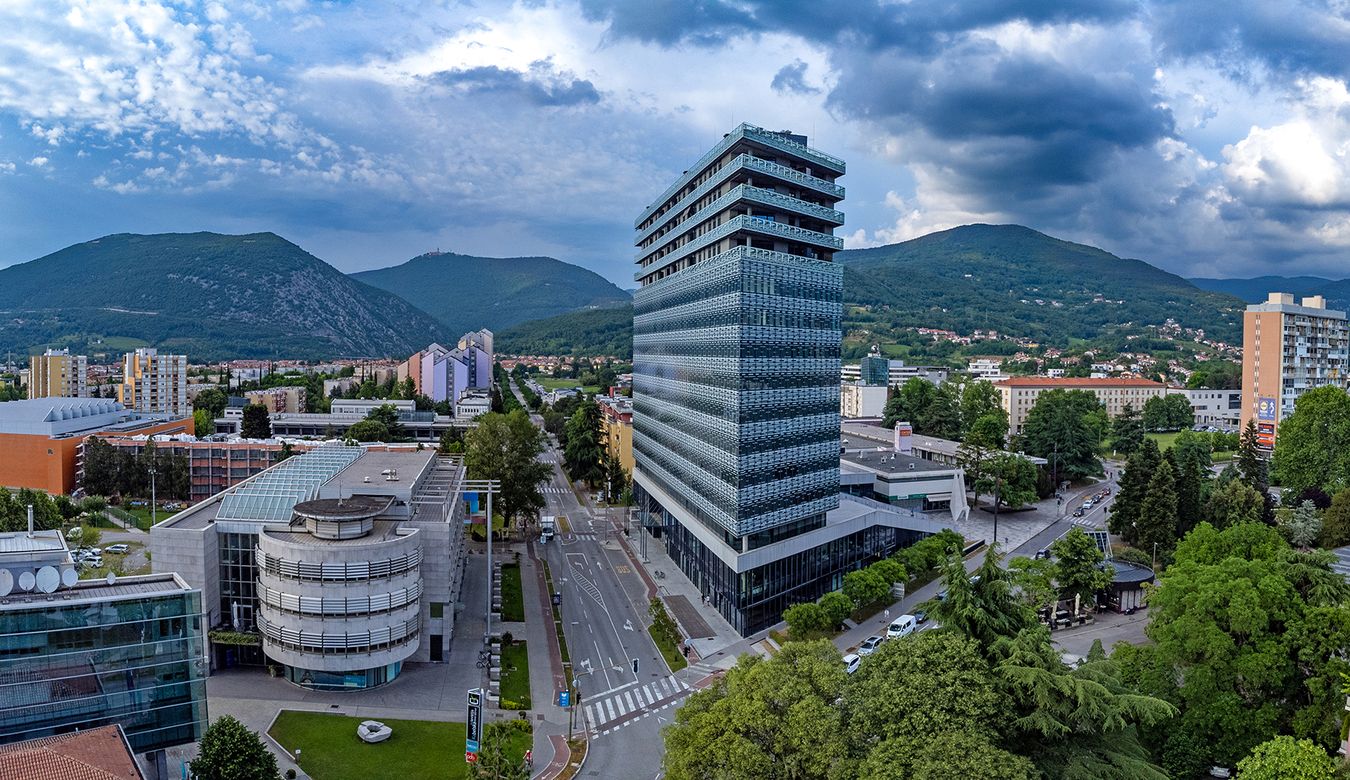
x=38, y=162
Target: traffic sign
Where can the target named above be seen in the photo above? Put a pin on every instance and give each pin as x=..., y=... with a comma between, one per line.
x=474, y=731
x=564, y=698
x=470, y=757
x=471, y=746
x=557, y=598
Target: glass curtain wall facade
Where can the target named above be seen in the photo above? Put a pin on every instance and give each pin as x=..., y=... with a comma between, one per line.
x=137, y=661
x=736, y=335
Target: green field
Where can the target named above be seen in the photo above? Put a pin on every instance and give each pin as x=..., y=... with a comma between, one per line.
x=513, y=601
x=418, y=749
x=515, y=677
x=1166, y=440
x=549, y=383
x=142, y=515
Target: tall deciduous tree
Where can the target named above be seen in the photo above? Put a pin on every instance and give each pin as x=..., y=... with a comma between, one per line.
x=1068, y=425
x=1233, y=501
x=1010, y=476
x=942, y=418
x=909, y=401
x=1286, y=758
x=507, y=447
x=980, y=398
x=1080, y=568
x=584, y=452
x=231, y=751
x=1313, y=449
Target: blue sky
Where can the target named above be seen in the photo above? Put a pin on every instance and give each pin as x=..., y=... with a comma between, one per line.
x=1207, y=138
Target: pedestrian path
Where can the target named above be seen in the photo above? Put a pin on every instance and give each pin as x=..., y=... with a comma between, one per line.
x=612, y=710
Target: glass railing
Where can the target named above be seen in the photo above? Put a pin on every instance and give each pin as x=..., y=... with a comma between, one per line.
x=744, y=192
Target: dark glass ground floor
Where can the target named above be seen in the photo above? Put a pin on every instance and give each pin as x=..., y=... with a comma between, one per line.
x=754, y=600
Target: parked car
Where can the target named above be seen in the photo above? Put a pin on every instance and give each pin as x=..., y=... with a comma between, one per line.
x=120, y=549
x=851, y=662
x=870, y=645
x=1043, y=554
x=920, y=616
x=901, y=626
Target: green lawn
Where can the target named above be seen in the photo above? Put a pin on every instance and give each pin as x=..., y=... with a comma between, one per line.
x=549, y=383
x=513, y=601
x=515, y=677
x=1166, y=440
x=674, y=658
x=142, y=515
x=418, y=749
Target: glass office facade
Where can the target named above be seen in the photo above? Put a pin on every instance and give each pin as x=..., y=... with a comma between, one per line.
x=135, y=659
x=736, y=336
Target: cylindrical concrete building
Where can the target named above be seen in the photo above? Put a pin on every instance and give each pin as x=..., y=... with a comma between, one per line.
x=339, y=594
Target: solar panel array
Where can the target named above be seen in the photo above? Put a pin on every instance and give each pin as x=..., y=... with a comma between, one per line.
x=273, y=494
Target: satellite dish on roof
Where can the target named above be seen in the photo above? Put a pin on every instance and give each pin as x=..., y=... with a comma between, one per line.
x=27, y=580
x=6, y=582
x=48, y=579
x=69, y=577
x=111, y=578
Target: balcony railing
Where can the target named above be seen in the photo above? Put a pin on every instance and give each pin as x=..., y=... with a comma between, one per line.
x=752, y=224
x=758, y=134
x=744, y=192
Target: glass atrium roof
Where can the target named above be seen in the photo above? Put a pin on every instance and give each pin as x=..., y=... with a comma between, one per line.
x=270, y=496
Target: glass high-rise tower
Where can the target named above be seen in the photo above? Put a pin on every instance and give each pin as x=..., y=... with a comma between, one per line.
x=736, y=334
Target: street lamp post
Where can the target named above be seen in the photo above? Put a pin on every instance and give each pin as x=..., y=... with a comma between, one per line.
x=488, y=486
x=576, y=704
x=154, y=516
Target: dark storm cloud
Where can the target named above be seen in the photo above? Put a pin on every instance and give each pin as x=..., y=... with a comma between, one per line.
x=1017, y=118
x=791, y=79
x=920, y=25
x=539, y=87
x=1300, y=36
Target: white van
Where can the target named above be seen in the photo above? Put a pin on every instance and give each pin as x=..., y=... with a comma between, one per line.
x=901, y=626
x=852, y=662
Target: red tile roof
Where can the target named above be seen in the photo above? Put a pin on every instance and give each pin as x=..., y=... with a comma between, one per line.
x=1077, y=381
x=93, y=754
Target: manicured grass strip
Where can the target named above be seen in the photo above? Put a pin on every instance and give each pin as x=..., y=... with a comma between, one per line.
x=418, y=749
x=674, y=658
x=515, y=677
x=513, y=600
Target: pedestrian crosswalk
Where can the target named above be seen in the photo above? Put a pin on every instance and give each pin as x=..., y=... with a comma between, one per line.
x=615, y=709
x=583, y=537
x=554, y=489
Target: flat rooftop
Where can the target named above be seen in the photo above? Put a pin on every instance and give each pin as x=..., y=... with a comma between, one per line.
x=368, y=470
x=887, y=461
x=20, y=543
x=296, y=534
x=137, y=587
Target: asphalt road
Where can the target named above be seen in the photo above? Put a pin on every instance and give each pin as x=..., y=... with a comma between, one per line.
x=604, y=607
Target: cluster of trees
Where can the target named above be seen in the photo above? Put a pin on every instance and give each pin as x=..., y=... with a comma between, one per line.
x=1248, y=637
x=48, y=512
x=869, y=585
x=506, y=447
x=109, y=471
x=379, y=424
x=985, y=696
x=1313, y=449
x=532, y=399
x=1170, y=412
x=11, y=391
x=1066, y=427
x=503, y=400
x=1164, y=495
x=955, y=410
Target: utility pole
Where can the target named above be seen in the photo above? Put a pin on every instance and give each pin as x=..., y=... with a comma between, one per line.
x=997, y=482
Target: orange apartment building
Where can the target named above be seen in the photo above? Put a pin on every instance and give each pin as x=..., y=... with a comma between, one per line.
x=616, y=424
x=40, y=438
x=1288, y=349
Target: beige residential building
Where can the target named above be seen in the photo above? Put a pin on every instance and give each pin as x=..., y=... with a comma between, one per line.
x=285, y=400
x=58, y=374
x=1019, y=394
x=1288, y=349
x=152, y=382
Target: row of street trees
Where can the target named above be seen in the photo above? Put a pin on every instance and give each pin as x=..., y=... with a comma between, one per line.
x=110, y=471
x=956, y=410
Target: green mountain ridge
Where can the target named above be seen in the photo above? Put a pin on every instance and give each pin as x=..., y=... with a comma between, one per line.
x=986, y=277
x=1255, y=289
x=465, y=292
x=1024, y=283
x=208, y=295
